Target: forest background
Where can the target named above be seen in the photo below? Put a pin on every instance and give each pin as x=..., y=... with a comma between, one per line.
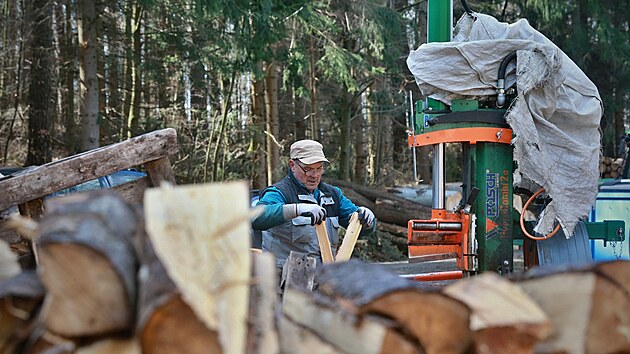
x=241, y=80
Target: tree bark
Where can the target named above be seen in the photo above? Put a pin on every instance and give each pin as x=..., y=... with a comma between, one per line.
x=86, y=23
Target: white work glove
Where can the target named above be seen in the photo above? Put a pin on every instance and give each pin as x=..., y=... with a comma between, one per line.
x=366, y=216
x=313, y=211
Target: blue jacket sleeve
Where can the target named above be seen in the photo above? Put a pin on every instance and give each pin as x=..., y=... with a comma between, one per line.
x=272, y=203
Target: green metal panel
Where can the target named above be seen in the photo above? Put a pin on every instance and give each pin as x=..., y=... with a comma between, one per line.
x=439, y=29
x=492, y=174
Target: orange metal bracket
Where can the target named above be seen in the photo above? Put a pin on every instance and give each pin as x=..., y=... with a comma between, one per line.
x=445, y=233
x=471, y=135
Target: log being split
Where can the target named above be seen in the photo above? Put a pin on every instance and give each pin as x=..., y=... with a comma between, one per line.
x=350, y=239
x=436, y=321
x=88, y=264
x=324, y=243
x=588, y=306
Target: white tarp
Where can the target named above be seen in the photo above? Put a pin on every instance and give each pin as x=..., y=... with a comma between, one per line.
x=555, y=117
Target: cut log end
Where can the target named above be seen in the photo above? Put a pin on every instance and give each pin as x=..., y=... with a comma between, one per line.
x=85, y=294
x=174, y=328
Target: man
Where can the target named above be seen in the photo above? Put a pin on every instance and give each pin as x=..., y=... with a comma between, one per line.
x=299, y=201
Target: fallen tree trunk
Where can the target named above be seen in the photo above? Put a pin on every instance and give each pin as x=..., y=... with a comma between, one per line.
x=87, y=264
x=588, y=306
x=438, y=322
x=399, y=213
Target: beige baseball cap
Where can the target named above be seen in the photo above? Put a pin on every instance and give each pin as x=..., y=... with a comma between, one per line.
x=308, y=152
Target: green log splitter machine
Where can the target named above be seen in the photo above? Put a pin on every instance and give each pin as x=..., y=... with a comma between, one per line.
x=480, y=234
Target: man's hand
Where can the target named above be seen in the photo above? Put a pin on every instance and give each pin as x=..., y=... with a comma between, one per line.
x=313, y=211
x=366, y=216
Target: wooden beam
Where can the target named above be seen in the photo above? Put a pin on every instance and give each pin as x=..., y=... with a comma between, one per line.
x=57, y=175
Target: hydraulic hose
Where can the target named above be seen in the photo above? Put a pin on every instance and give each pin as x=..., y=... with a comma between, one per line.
x=467, y=8
x=501, y=79
x=522, y=220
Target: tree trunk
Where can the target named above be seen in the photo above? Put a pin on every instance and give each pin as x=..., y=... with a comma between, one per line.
x=88, y=74
x=259, y=179
x=68, y=65
x=133, y=116
x=272, y=127
x=40, y=96
x=361, y=142
x=312, y=73
x=345, y=112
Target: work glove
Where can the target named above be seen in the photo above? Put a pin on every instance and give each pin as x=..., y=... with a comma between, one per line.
x=313, y=211
x=366, y=216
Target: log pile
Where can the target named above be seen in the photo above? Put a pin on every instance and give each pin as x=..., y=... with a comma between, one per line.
x=610, y=167
x=183, y=280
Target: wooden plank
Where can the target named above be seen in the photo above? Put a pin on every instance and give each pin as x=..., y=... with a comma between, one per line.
x=263, y=336
x=160, y=170
x=54, y=176
x=324, y=243
x=350, y=239
x=133, y=191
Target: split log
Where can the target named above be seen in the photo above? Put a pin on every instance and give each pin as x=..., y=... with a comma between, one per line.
x=298, y=339
x=112, y=345
x=350, y=239
x=299, y=271
x=588, y=306
x=400, y=212
x=9, y=266
x=504, y=318
x=45, y=342
x=438, y=322
x=167, y=324
x=20, y=298
x=343, y=329
x=262, y=337
x=213, y=274
x=88, y=264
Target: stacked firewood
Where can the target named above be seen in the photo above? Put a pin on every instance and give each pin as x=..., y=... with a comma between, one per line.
x=610, y=167
x=180, y=277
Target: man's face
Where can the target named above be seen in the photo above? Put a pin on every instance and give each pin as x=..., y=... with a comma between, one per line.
x=310, y=175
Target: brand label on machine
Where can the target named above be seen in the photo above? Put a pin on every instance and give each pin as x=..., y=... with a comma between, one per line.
x=497, y=203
